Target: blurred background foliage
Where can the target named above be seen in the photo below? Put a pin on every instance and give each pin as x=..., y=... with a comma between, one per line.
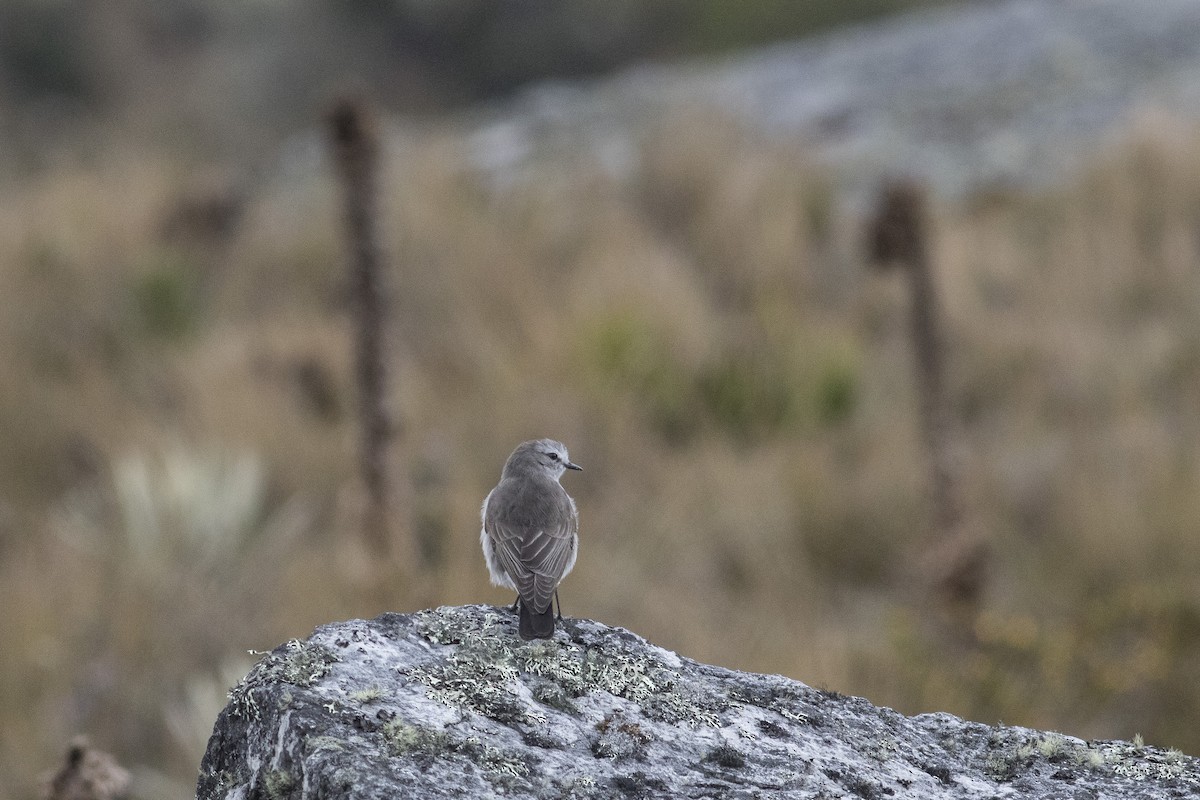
x=178, y=482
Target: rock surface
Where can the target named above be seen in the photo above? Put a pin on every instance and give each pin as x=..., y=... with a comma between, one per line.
x=451, y=703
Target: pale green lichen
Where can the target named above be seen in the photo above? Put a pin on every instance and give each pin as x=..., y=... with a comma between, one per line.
x=727, y=756
x=671, y=701
x=451, y=625
x=1144, y=763
x=626, y=675
x=1052, y=745
x=1127, y=759
x=482, y=671
x=583, y=786
x=999, y=767
x=278, y=784
x=368, y=695
x=298, y=663
x=477, y=678
x=794, y=716
x=229, y=779
x=1089, y=758
x=884, y=749
x=405, y=740
x=619, y=738
x=781, y=700
x=500, y=767
x=329, y=744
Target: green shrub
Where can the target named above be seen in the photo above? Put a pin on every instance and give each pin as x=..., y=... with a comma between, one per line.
x=166, y=298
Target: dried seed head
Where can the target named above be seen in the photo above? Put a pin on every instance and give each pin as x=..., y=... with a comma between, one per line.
x=87, y=774
x=897, y=233
x=354, y=133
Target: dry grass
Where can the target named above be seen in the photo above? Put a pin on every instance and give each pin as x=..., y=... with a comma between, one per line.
x=178, y=482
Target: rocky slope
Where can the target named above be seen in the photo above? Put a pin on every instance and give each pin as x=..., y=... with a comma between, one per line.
x=451, y=703
x=986, y=94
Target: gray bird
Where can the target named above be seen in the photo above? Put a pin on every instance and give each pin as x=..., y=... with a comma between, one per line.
x=530, y=533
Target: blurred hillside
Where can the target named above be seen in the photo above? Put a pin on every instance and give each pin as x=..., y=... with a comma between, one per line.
x=981, y=97
x=227, y=80
x=678, y=292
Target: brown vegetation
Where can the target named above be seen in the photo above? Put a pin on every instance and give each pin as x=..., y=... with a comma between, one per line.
x=953, y=566
x=177, y=456
x=87, y=774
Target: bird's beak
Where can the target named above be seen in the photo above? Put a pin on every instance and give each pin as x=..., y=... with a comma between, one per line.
x=574, y=466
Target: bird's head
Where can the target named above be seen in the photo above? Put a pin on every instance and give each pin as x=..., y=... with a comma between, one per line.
x=539, y=455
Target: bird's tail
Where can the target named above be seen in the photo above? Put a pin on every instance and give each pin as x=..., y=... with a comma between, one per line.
x=534, y=625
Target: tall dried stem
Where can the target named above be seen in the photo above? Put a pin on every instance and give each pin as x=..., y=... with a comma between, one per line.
x=899, y=236
x=354, y=139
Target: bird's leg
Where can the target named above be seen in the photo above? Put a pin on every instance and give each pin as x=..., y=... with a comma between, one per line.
x=558, y=603
x=516, y=605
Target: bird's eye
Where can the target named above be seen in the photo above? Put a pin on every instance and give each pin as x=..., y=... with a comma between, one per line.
x=553, y=456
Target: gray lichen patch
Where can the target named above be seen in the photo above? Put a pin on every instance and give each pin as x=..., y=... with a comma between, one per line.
x=404, y=739
x=498, y=766
x=479, y=676
x=279, y=784
x=676, y=700
x=1015, y=753
x=488, y=661
x=786, y=701
x=724, y=755
x=1144, y=763
x=620, y=738
x=450, y=625
x=552, y=694
x=295, y=662
x=368, y=695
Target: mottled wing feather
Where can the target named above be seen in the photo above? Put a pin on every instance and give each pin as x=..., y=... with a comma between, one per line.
x=506, y=542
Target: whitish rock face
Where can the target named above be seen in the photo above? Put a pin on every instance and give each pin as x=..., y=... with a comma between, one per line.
x=967, y=97
x=451, y=703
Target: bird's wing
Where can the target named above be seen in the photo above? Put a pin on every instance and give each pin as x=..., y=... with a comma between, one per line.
x=506, y=546
x=535, y=550
x=550, y=549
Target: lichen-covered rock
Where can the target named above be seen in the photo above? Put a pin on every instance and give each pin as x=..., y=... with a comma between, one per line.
x=452, y=703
